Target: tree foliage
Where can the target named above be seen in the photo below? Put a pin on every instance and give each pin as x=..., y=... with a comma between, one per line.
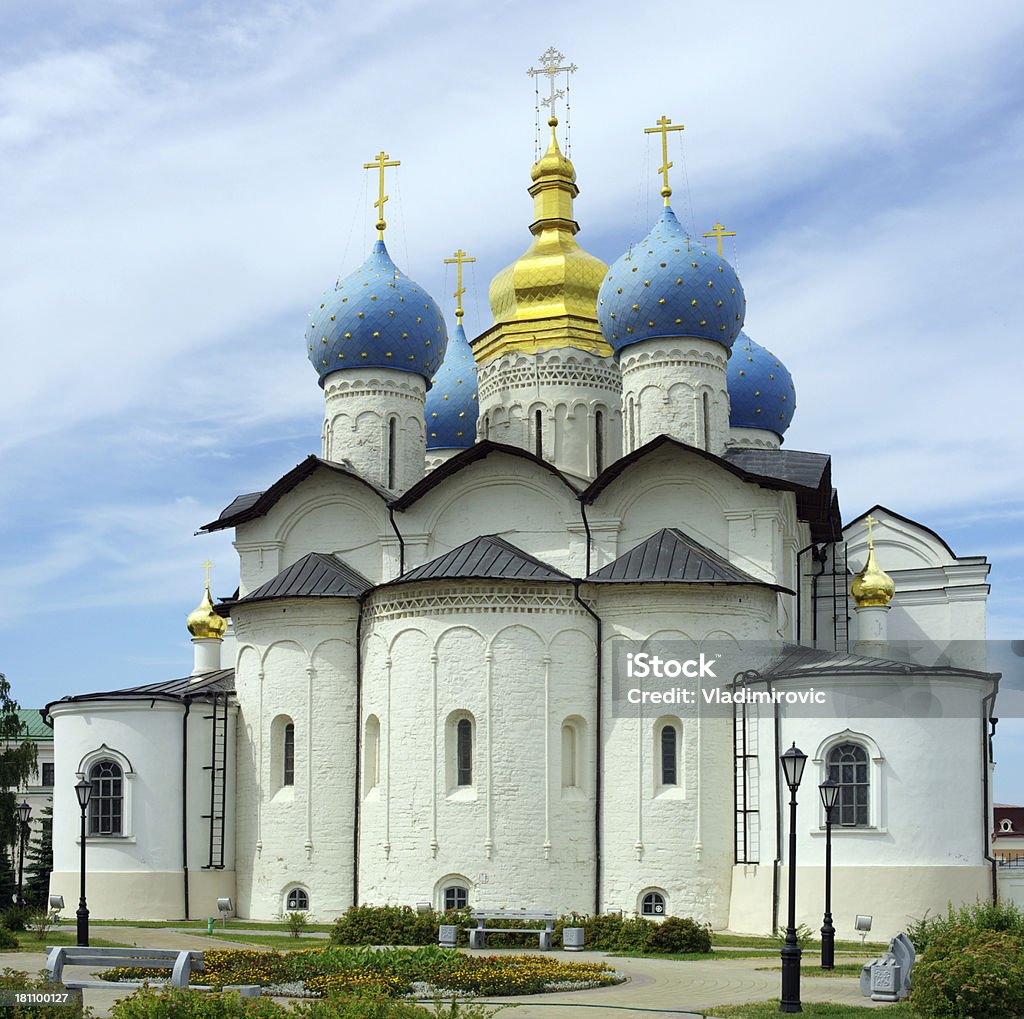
x=17, y=766
x=39, y=861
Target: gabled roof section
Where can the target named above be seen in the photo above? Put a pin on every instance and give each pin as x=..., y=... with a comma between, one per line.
x=33, y=726
x=256, y=504
x=906, y=520
x=221, y=681
x=460, y=461
x=315, y=575
x=485, y=558
x=672, y=557
x=808, y=475
x=799, y=661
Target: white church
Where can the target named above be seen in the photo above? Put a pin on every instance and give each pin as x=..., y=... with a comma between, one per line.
x=411, y=695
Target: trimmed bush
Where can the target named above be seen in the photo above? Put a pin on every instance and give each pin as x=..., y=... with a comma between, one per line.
x=8, y=939
x=12, y=979
x=396, y=925
x=680, y=934
x=969, y=973
x=980, y=916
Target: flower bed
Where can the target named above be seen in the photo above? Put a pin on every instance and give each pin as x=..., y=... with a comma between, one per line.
x=395, y=972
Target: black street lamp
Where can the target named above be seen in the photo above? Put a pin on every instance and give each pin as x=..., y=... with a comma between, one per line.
x=24, y=815
x=793, y=762
x=829, y=798
x=83, y=790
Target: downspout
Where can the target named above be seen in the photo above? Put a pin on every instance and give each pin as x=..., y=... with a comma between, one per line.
x=356, y=813
x=986, y=760
x=184, y=800
x=401, y=540
x=777, y=862
x=799, y=592
x=819, y=556
x=598, y=726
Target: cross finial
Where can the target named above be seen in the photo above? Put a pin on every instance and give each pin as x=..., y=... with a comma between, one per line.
x=719, y=231
x=663, y=129
x=381, y=160
x=207, y=566
x=458, y=260
x=869, y=523
x=550, y=61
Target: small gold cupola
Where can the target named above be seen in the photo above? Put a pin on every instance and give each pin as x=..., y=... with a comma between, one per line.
x=547, y=298
x=872, y=587
x=203, y=622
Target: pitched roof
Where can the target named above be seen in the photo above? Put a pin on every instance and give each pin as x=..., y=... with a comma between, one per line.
x=217, y=682
x=798, y=661
x=670, y=556
x=485, y=558
x=315, y=575
x=907, y=520
x=33, y=726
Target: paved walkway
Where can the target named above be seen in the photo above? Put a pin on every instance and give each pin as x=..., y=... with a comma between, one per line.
x=654, y=985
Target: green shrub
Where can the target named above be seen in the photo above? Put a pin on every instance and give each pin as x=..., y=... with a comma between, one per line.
x=172, y=1002
x=804, y=935
x=15, y=917
x=396, y=925
x=970, y=973
x=8, y=939
x=296, y=921
x=680, y=934
x=12, y=979
x=981, y=916
x=368, y=1007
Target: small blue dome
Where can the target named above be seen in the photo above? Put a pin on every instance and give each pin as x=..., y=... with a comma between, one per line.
x=668, y=285
x=761, y=393
x=379, y=318
x=451, y=407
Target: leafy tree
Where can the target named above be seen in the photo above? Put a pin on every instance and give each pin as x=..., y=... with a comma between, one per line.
x=39, y=861
x=17, y=766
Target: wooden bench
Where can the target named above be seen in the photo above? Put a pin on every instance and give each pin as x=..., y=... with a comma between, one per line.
x=478, y=934
x=180, y=964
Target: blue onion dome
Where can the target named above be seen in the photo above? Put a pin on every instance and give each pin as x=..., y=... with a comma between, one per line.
x=670, y=285
x=378, y=318
x=451, y=406
x=761, y=392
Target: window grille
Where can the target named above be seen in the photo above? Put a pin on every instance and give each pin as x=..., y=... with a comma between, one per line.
x=848, y=766
x=106, y=805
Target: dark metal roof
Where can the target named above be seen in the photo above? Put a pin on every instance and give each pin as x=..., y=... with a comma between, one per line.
x=799, y=661
x=256, y=504
x=485, y=558
x=220, y=681
x=792, y=466
x=669, y=556
x=906, y=520
x=460, y=461
x=315, y=575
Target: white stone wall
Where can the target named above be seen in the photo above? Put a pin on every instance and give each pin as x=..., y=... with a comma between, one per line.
x=569, y=388
x=518, y=660
x=296, y=663
x=675, y=387
x=359, y=406
x=753, y=438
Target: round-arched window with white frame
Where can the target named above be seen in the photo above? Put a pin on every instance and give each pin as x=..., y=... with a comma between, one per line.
x=652, y=904
x=297, y=900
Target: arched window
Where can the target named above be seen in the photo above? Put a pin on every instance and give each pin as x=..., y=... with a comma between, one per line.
x=570, y=778
x=1006, y=825
x=288, y=770
x=538, y=433
x=848, y=766
x=464, y=752
x=631, y=424
x=652, y=904
x=371, y=754
x=599, y=441
x=486, y=427
x=392, y=451
x=669, y=747
x=456, y=897
x=297, y=899
x=106, y=805
x=706, y=405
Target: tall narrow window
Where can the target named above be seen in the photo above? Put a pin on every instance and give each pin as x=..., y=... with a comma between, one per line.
x=848, y=765
x=106, y=806
x=464, y=752
x=288, y=772
x=706, y=404
x=569, y=776
x=669, y=756
x=538, y=433
x=631, y=424
x=599, y=441
x=487, y=427
x=371, y=754
x=392, y=451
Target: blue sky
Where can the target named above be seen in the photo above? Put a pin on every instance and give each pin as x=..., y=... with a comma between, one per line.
x=182, y=181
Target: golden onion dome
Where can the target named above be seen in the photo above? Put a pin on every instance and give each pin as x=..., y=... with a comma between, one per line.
x=203, y=622
x=872, y=586
x=555, y=278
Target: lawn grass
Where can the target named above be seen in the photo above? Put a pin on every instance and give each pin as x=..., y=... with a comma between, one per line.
x=28, y=941
x=284, y=941
x=813, y=1009
x=236, y=925
x=692, y=956
x=841, y=969
x=754, y=941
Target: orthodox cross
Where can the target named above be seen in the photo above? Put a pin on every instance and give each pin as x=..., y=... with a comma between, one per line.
x=207, y=566
x=550, y=60
x=719, y=231
x=459, y=260
x=663, y=129
x=381, y=160
x=869, y=523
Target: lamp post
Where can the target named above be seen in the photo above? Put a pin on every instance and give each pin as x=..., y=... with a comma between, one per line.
x=829, y=798
x=83, y=790
x=793, y=761
x=24, y=815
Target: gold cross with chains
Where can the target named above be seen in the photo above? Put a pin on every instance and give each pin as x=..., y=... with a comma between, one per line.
x=207, y=566
x=869, y=523
x=719, y=231
x=459, y=260
x=381, y=160
x=663, y=129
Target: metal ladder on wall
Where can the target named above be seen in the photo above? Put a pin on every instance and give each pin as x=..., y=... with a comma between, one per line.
x=218, y=769
x=840, y=593
x=748, y=818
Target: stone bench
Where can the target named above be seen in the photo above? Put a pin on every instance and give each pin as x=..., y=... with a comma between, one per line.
x=478, y=934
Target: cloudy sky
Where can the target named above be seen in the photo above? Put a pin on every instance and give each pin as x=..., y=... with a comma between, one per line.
x=182, y=180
